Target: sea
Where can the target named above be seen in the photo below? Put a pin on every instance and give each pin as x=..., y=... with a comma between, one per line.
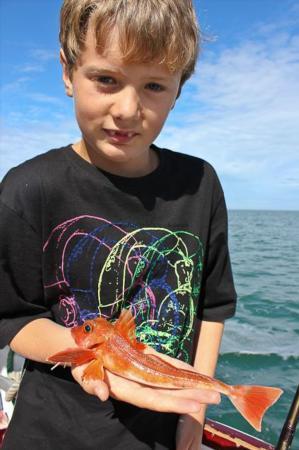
x=261, y=342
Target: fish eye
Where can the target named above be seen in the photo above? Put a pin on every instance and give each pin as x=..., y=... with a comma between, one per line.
x=88, y=328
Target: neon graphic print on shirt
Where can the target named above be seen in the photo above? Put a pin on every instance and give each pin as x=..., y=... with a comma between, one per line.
x=102, y=267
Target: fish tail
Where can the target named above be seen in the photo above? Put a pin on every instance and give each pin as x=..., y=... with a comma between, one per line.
x=253, y=401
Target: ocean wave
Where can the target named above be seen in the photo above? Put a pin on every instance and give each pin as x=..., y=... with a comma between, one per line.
x=255, y=357
x=261, y=336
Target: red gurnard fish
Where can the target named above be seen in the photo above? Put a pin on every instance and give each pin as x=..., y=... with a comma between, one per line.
x=114, y=347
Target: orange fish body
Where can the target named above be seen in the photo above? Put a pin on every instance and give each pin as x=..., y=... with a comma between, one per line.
x=114, y=347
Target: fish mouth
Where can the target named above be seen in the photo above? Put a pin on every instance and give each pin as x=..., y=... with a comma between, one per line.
x=92, y=346
x=95, y=345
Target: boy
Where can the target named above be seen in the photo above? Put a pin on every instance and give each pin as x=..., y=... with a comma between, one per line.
x=111, y=222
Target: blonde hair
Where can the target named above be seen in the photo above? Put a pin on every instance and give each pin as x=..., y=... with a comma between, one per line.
x=164, y=31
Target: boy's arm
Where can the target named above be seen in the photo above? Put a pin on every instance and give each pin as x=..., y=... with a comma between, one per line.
x=41, y=338
x=190, y=426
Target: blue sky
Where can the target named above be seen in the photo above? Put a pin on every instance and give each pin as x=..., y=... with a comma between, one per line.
x=240, y=110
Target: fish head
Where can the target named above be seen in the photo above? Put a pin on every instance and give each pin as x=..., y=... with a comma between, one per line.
x=92, y=332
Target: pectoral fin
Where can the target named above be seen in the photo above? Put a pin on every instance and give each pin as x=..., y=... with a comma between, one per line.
x=76, y=356
x=94, y=371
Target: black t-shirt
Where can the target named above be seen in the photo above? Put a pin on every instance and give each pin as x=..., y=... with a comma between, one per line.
x=77, y=242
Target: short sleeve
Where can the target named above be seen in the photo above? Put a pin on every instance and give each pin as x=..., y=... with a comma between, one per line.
x=21, y=287
x=218, y=296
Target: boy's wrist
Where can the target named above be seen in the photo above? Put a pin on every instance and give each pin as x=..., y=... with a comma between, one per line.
x=198, y=416
x=40, y=339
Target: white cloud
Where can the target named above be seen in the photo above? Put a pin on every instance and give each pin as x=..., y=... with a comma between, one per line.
x=37, y=138
x=31, y=68
x=246, y=101
x=44, y=55
x=48, y=99
x=14, y=85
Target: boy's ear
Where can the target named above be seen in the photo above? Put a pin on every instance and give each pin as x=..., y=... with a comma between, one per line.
x=66, y=75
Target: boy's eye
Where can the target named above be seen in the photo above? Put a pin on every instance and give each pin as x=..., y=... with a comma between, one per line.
x=156, y=87
x=107, y=81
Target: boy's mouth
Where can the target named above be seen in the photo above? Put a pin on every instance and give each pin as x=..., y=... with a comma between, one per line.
x=120, y=136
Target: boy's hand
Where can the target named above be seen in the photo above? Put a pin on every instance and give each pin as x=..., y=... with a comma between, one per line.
x=164, y=400
x=96, y=387
x=180, y=401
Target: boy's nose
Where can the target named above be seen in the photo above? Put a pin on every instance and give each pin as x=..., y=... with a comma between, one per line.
x=126, y=105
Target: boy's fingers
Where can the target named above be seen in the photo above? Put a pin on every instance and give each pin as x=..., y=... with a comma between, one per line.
x=96, y=387
x=165, y=400
x=161, y=401
x=200, y=395
x=93, y=387
x=101, y=390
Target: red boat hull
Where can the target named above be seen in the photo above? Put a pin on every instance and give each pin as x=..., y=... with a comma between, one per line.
x=218, y=436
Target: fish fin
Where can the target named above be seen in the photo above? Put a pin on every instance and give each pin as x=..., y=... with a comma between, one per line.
x=75, y=356
x=253, y=401
x=94, y=371
x=126, y=326
x=139, y=345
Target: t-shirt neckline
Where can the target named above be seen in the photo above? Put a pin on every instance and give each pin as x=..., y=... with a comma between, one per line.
x=138, y=182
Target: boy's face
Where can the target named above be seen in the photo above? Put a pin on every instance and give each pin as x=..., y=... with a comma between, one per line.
x=120, y=108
